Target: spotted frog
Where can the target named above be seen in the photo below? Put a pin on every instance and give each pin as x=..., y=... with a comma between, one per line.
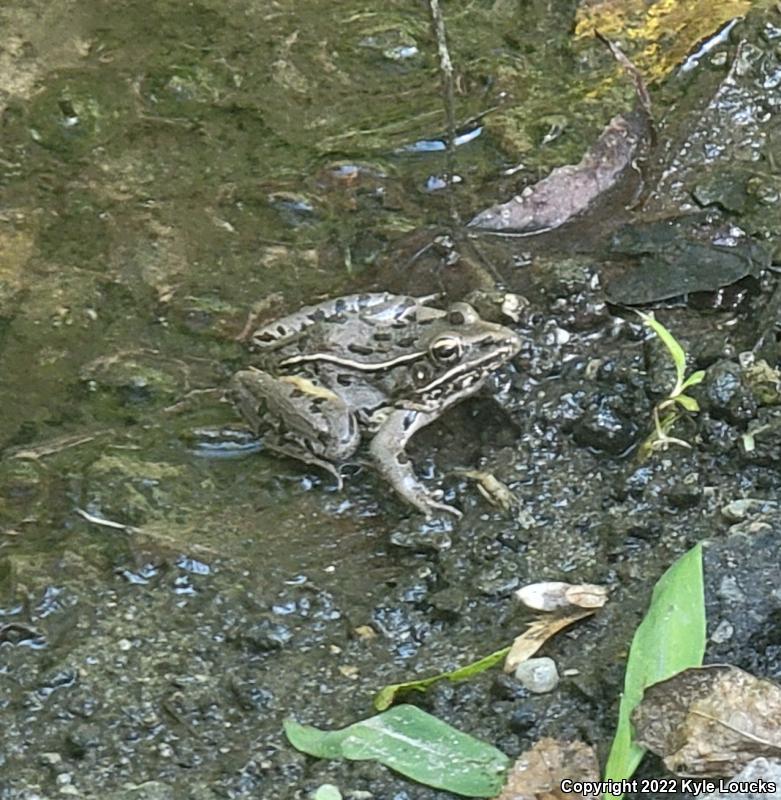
x=377, y=367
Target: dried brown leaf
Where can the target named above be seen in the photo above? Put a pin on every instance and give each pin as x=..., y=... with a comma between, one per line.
x=538, y=773
x=538, y=632
x=571, y=189
x=710, y=721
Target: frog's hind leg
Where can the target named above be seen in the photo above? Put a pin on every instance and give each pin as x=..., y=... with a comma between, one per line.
x=298, y=419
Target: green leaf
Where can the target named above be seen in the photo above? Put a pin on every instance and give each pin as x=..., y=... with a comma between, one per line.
x=693, y=379
x=671, y=343
x=670, y=638
x=415, y=744
x=387, y=695
x=687, y=402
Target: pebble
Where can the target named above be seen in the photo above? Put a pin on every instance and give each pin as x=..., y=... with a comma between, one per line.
x=538, y=675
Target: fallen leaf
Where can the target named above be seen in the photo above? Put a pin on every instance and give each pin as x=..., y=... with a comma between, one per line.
x=538, y=632
x=413, y=743
x=387, y=695
x=710, y=721
x=571, y=189
x=538, y=773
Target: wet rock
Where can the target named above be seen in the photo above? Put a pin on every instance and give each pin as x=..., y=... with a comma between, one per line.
x=725, y=188
x=742, y=576
x=760, y=769
x=738, y=510
x=422, y=540
x=717, y=435
x=248, y=694
x=523, y=719
x=135, y=377
x=605, y=425
x=751, y=528
x=264, y=635
x=506, y=687
x=681, y=255
x=497, y=580
x=448, y=602
x=726, y=395
x=82, y=738
x=677, y=480
x=723, y=632
x=538, y=675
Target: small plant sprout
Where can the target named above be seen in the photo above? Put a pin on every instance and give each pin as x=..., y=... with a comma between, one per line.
x=667, y=412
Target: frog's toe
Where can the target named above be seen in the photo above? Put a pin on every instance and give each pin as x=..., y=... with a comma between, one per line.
x=448, y=509
x=431, y=506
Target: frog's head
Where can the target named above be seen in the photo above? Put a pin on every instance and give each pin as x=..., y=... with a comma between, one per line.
x=462, y=349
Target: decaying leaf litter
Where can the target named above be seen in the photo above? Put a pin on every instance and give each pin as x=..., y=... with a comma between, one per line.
x=651, y=508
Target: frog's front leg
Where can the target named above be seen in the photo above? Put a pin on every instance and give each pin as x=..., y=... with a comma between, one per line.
x=298, y=418
x=388, y=454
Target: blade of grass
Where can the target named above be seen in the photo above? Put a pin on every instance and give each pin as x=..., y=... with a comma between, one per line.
x=387, y=695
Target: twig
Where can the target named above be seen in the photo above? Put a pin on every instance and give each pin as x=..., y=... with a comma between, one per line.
x=102, y=521
x=54, y=446
x=449, y=98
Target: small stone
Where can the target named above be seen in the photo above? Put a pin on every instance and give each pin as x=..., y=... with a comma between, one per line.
x=723, y=633
x=50, y=759
x=266, y=635
x=523, y=720
x=538, y=675
x=448, y=602
x=738, y=510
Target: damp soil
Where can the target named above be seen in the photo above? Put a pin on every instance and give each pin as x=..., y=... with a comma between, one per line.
x=170, y=593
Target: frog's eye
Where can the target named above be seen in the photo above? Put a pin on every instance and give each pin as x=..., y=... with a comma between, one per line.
x=456, y=318
x=446, y=350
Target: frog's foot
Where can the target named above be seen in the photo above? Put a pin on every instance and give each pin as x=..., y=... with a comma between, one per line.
x=301, y=453
x=424, y=500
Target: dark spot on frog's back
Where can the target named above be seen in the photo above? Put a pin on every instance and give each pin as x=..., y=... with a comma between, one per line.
x=360, y=349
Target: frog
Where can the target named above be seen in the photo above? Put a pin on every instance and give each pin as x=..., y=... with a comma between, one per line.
x=367, y=369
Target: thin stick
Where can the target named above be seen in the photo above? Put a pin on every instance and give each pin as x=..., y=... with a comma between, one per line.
x=449, y=98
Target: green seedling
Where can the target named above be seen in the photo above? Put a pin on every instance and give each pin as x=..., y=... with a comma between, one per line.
x=671, y=638
x=668, y=411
